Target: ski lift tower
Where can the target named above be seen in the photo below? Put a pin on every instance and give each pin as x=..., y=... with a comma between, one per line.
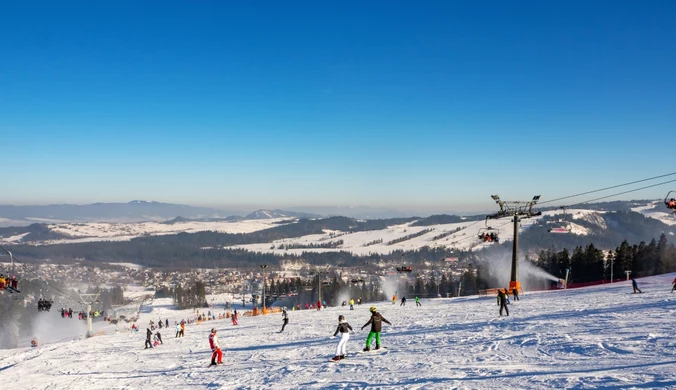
x=88, y=300
x=517, y=210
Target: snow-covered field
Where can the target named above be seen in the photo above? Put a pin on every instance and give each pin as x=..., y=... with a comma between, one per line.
x=103, y=231
x=596, y=337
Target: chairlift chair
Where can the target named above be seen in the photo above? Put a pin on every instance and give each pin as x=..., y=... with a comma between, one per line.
x=489, y=234
x=563, y=223
x=670, y=202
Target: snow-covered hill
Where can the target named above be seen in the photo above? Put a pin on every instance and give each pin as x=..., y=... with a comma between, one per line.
x=461, y=234
x=596, y=337
x=101, y=231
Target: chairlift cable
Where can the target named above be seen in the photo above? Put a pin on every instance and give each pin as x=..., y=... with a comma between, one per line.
x=610, y=188
x=622, y=193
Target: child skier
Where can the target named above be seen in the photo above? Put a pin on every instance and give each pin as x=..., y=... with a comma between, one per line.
x=215, y=348
x=502, y=301
x=375, y=321
x=344, y=329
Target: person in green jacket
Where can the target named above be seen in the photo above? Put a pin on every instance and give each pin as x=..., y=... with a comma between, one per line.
x=375, y=321
x=417, y=302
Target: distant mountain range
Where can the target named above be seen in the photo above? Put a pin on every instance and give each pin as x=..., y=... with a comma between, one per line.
x=134, y=211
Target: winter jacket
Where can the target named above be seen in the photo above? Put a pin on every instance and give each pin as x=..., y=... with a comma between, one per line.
x=376, y=321
x=285, y=316
x=343, y=327
x=213, y=342
x=149, y=334
x=502, y=297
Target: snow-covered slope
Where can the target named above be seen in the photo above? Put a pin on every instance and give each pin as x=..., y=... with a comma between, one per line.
x=597, y=337
x=102, y=231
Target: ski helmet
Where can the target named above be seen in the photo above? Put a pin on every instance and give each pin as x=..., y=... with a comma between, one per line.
x=213, y=330
x=373, y=309
x=341, y=317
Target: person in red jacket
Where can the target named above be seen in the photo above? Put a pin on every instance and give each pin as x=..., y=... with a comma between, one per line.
x=319, y=305
x=215, y=349
x=674, y=283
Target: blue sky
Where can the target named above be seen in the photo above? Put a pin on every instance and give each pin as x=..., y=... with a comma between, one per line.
x=432, y=104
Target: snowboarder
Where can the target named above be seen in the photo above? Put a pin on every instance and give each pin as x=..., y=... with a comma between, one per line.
x=635, y=286
x=344, y=329
x=516, y=294
x=285, y=318
x=215, y=348
x=403, y=301
x=149, y=336
x=417, y=301
x=502, y=301
x=375, y=321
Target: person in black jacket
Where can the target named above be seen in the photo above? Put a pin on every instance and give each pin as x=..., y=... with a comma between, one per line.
x=502, y=301
x=285, y=318
x=375, y=321
x=149, y=336
x=344, y=329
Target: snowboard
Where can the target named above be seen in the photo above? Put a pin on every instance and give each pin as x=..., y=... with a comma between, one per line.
x=381, y=350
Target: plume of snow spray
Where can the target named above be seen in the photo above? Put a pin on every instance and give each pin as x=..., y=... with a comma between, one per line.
x=499, y=268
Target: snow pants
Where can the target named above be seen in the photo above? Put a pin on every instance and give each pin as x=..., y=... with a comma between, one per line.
x=342, y=344
x=149, y=344
x=284, y=325
x=216, y=353
x=503, y=304
x=371, y=335
x=417, y=303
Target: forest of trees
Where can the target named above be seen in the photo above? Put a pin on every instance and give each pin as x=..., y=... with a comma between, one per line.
x=191, y=296
x=588, y=264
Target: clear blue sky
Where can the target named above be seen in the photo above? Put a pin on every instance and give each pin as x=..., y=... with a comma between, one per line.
x=432, y=104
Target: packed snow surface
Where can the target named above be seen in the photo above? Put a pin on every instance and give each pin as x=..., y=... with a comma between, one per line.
x=602, y=336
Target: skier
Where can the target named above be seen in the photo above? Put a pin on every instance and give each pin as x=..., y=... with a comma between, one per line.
x=375, y=321
x=674, y=283
x=159, y=337
x=234, y=317
x=516, y=294
x=166, y=323
x=182, y=328
x=149, y=336
x=285, y=318
x=394, y=299
x=352, y=303
x=319, y=305
x=359, y=301
x=178, y=330
x=344, y=329
x=417, y=301
x=215, y=348
x=502, y=301
x=403, y=301
x=635, y=286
